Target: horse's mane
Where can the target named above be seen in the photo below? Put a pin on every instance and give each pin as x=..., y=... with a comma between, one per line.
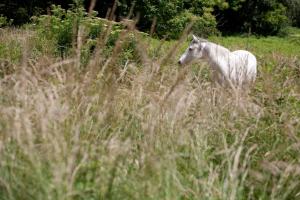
x=217, y=49
x=218, y=55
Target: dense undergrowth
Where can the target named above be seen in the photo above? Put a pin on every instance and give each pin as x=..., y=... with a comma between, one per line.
x=111, y=116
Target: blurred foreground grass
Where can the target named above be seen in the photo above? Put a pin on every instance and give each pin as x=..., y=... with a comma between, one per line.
x=127, y=127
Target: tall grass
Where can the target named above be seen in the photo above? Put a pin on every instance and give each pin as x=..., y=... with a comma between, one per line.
x=145, y=129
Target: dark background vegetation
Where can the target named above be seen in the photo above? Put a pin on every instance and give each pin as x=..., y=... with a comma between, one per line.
x=91, y=111
x=264, y=17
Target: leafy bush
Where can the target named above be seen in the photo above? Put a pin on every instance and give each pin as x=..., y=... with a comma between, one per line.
x=268, y=17
x=275, y=21
x=114, y=35
x=202, y=25
x=176, y=25
x=58, y=27
x=162, y=11
x=206, y=25
x=4, y=21
x=62, y=26
x=173, y=16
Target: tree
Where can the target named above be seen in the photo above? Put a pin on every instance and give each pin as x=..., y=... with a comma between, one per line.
x=21, y=10
x=231, y=16
x=293, y=10
x=267, y=17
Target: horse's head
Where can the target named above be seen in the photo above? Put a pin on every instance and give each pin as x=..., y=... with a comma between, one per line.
x=194, y=51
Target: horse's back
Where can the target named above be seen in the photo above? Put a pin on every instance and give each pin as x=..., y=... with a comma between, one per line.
x=247, y=62
x=246, y=55
x=247, y=58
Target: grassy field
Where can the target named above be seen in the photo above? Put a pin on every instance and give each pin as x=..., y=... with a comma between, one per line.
x=137, y=126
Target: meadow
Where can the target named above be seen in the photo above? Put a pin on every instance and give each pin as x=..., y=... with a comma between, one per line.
x=129, y=123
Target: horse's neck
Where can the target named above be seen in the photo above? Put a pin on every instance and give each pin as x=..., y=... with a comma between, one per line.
x=218, y=56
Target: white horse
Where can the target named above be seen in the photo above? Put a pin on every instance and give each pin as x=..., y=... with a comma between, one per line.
x=237, y=68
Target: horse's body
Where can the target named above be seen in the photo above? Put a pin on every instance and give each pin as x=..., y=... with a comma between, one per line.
x=236, y=68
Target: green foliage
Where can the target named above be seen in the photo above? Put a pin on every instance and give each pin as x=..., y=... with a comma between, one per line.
x=57, y=27
x=21, y=10
x=11, y=51
x=163, y=11
x=203, y=26
x=206, y=25
x=175, y=26
x=173, y=16
x=293, y=9
x=4, y=21
x=275, y=21
x=267, y=17
x=129, y=51
x=93, y=26
x=114, y=35
x=62, y=27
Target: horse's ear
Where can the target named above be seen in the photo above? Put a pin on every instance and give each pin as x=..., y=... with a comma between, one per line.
x=195, y=38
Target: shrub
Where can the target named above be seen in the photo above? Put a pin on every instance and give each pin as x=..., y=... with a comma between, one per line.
x=204, y=25
x=267, y=17
x=57, y=27
x=173, y=15
x=62, y=27
x=275, y=21
x=4, y=21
